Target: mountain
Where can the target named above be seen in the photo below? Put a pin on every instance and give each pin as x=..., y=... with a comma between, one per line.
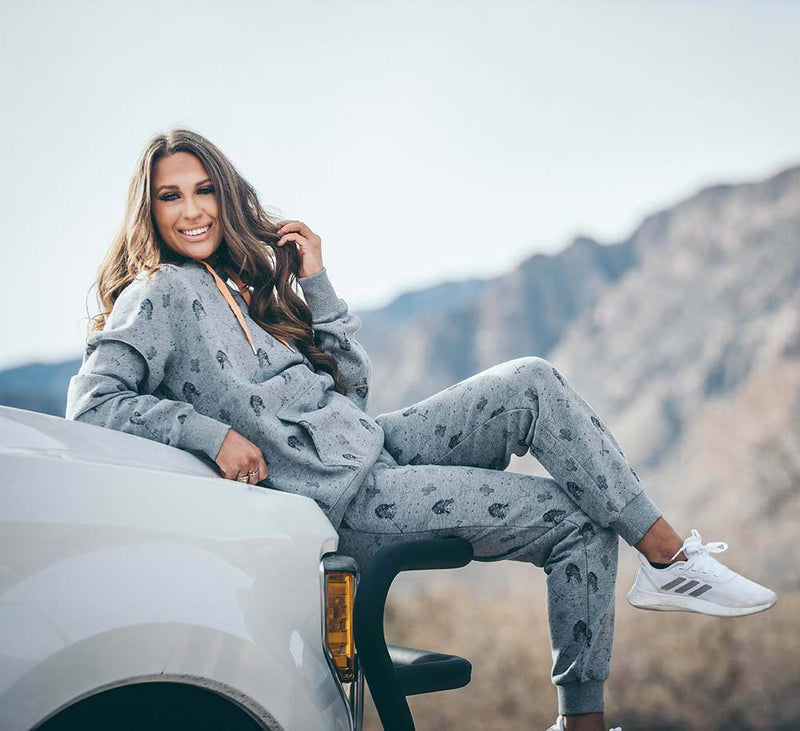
x=713, y=299
x=38, y=386
x=520, y=313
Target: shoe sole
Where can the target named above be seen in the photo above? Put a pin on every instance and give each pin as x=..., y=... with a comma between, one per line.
x=665, y=603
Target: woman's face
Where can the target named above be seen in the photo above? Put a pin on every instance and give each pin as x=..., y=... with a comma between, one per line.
x=185, y=206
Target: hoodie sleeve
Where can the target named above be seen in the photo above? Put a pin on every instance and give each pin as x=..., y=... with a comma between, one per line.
x=335, y=327
x=124, y=365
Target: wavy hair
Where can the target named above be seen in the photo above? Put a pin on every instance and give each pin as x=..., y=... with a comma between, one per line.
x=248, y=246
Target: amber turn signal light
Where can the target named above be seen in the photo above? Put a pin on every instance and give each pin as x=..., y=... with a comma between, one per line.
x=339, y=597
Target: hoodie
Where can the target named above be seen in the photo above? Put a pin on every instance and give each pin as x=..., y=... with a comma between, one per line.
x=178, y=363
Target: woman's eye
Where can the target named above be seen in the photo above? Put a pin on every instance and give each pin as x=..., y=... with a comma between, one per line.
x=205, y=191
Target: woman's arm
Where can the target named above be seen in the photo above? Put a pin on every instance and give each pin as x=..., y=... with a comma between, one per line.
x=124, y=367
x=335, y=327
x=108, y=391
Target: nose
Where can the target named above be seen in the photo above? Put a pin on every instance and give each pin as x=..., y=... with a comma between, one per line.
x=190, y=208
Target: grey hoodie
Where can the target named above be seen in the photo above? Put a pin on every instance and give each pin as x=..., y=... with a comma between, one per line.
x=174, y=365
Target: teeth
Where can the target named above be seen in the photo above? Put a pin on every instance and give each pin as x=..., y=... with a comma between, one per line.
x=196, y=231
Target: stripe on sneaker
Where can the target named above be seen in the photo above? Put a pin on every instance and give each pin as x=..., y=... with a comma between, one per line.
x=688, y=584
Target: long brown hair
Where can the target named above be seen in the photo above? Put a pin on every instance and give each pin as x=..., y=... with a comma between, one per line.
x=248, y=246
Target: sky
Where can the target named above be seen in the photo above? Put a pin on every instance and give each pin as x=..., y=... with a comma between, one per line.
x=422, y=141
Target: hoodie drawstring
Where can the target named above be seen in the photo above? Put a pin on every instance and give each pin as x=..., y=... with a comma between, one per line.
x=244, y=292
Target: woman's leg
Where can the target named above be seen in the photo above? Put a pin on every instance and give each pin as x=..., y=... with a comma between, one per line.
x=526, y=405
x=514, y=517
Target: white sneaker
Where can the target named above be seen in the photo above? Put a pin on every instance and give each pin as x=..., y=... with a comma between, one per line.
x=700, y=584
x=559, y=726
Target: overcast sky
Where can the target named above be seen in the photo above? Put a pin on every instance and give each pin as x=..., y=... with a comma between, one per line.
x=423, y=141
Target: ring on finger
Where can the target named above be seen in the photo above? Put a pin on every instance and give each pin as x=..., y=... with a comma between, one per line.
x=253, y=473
x=242, y=478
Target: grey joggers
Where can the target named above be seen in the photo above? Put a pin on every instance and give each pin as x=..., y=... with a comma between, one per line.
x=441, y=472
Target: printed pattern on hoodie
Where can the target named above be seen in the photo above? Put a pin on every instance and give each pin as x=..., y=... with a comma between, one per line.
x=173, y=365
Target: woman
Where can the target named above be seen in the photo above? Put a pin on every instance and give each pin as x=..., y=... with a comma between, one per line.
x=274, y=389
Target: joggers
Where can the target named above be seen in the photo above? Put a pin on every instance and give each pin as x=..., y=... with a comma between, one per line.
x=441, y=473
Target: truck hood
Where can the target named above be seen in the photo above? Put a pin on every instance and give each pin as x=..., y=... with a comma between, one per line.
x=34, y=434
x=66, y=472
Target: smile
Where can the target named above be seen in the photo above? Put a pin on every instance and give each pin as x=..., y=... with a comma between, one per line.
x=195, y=233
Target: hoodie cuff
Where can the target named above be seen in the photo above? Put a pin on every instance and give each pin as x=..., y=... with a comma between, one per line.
x=203, y=433
x=319, y=294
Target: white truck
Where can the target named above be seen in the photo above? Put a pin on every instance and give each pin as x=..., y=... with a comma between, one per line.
x=140, y=590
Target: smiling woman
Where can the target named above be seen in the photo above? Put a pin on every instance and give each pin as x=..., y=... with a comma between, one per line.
x=190, y=211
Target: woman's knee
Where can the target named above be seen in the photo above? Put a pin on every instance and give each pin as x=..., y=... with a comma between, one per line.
x=541, y=368
x=519, y=380
x=532, y=371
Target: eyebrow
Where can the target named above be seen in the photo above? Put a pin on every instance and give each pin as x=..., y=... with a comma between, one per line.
x=160, y=187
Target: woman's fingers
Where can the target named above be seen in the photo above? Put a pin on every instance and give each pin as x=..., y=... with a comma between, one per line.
x=297, y=238
x=257, y=472
x=307, y=244
x=294, y=230
x=253, y=472
x=290, y=225
x=240, y=458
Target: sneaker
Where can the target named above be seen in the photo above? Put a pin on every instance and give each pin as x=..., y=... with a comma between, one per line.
x=700, y=584
x=559, y=726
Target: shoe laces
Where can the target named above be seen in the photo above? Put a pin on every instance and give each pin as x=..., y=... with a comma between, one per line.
x=698, y=556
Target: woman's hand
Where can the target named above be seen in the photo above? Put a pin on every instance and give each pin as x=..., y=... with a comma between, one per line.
x=309, y=245
x=239, y=456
